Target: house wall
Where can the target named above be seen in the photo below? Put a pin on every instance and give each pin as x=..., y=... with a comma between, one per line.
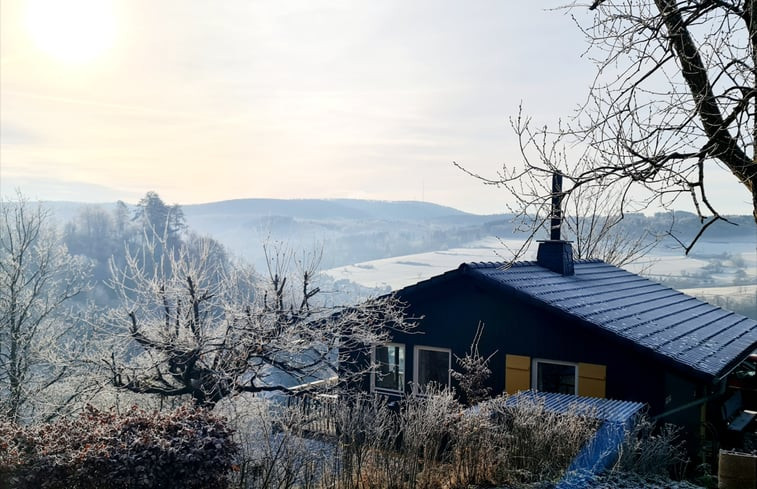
x=685, y=409
x=452, y=310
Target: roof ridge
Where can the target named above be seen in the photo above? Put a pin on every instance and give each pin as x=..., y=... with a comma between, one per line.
x=496, y=264
x=524, y=263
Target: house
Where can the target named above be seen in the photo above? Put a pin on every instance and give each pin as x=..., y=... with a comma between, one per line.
x=585, y=328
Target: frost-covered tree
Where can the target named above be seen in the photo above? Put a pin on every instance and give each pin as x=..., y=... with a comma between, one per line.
x=596, y=218
x=37, y=278
x=160, y=219
x=197, y=328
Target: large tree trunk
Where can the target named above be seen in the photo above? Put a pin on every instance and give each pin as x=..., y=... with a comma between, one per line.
x=721, y=144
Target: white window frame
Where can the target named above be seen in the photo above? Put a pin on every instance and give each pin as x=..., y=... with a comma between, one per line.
x=374, y=366
x=535, y=371
x=416, y=356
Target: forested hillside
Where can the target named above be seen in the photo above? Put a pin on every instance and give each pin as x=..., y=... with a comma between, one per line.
x=353, y=231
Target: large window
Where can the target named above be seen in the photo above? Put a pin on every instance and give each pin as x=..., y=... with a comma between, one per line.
x=432, y=366
x=389, y=371
x=554, y=376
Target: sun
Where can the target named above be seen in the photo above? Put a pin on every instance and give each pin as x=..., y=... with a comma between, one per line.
x=72, y=31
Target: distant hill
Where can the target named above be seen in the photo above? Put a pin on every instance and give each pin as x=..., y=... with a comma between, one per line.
x=323, y=209
x=349, y=230
x=64, y=211
x=352, y=230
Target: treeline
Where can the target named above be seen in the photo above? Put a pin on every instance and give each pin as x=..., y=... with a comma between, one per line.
x=105, y=236
x=130, y=305
x=349, y=236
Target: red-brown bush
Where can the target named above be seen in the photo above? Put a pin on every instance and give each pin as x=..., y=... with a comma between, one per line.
x=186, y=448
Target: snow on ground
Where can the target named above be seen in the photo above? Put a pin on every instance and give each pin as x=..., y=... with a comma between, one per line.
x=400, y=271
x=735, y=291
x=665, y=265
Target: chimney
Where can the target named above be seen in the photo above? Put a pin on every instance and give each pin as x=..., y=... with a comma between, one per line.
x=556, y=254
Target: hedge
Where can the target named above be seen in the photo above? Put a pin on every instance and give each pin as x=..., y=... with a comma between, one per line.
x=185, y=448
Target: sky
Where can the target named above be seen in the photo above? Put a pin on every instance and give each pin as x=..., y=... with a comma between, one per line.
x=202, y=101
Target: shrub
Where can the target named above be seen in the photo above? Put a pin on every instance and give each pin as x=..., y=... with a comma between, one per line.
x=433, y=441
x=421, y=442
x=652, y=450
x=186, y=448
x=535, y=444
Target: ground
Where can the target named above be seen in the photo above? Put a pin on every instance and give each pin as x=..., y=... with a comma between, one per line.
x=632, y=481
x=620, y=480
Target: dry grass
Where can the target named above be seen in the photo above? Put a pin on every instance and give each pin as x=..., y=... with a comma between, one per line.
x=647, y=450
x=423, y=442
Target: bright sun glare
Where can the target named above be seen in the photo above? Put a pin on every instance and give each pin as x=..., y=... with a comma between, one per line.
x=72, y=31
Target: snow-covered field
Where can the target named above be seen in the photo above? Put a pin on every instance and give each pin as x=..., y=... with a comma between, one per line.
x=399, y=271
x=661, y=264
x=734, y=291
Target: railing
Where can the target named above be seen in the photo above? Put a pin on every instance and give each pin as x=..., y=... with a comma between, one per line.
x=316, y=410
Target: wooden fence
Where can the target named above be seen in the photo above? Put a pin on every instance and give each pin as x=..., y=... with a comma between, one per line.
x=317, y=413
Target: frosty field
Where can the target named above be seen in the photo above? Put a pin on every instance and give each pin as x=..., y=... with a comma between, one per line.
x=713, y=268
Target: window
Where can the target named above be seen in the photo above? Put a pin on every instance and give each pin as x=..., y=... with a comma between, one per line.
x=389, y=372
x=554, y=376
x=432, y=365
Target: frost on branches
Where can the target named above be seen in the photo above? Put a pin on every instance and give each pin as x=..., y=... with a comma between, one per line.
x=209, y=331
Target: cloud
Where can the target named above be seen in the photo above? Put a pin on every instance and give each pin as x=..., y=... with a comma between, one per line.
x=330, y=98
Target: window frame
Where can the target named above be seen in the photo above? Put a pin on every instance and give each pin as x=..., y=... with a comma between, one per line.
x=375, y=365
x=416, y=361
x=535, y=372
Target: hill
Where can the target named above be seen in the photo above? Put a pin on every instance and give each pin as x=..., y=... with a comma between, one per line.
x=324, y=209
x=352, y=231
x=349, y=230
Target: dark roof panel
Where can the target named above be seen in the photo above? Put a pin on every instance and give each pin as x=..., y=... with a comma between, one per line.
x=672, y=325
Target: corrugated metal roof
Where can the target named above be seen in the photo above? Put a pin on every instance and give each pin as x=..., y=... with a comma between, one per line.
x=601, y=409
x=703, y=338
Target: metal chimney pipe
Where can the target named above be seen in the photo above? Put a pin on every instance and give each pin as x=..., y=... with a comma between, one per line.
x=556, y=214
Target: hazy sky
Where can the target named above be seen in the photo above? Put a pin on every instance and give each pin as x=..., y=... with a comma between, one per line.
x=212, y=100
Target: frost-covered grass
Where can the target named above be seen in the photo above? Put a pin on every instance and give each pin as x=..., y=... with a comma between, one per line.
x=430, y=442
x=628, y=480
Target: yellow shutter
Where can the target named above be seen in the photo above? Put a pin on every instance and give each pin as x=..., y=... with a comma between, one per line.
x=517, y=373
x=591, y=380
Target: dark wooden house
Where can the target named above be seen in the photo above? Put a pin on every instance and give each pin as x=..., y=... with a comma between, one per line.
x=584, y=328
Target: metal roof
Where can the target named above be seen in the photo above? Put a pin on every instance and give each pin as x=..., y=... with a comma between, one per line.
x=601, y=409
x=695, y=335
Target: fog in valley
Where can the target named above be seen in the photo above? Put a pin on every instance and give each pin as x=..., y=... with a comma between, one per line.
x=373, y=247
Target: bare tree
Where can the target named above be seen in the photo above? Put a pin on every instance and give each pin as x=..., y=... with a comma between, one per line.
x=598, y=229
x=37, y=278
x=474, y=371
x=207, y=332
x=673, y=98
x=674, y=95
x=594, y=216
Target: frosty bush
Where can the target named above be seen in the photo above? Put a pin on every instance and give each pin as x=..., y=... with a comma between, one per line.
x=186, y=448
x=421, y=442
x=536, y=444
x=652, y=450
